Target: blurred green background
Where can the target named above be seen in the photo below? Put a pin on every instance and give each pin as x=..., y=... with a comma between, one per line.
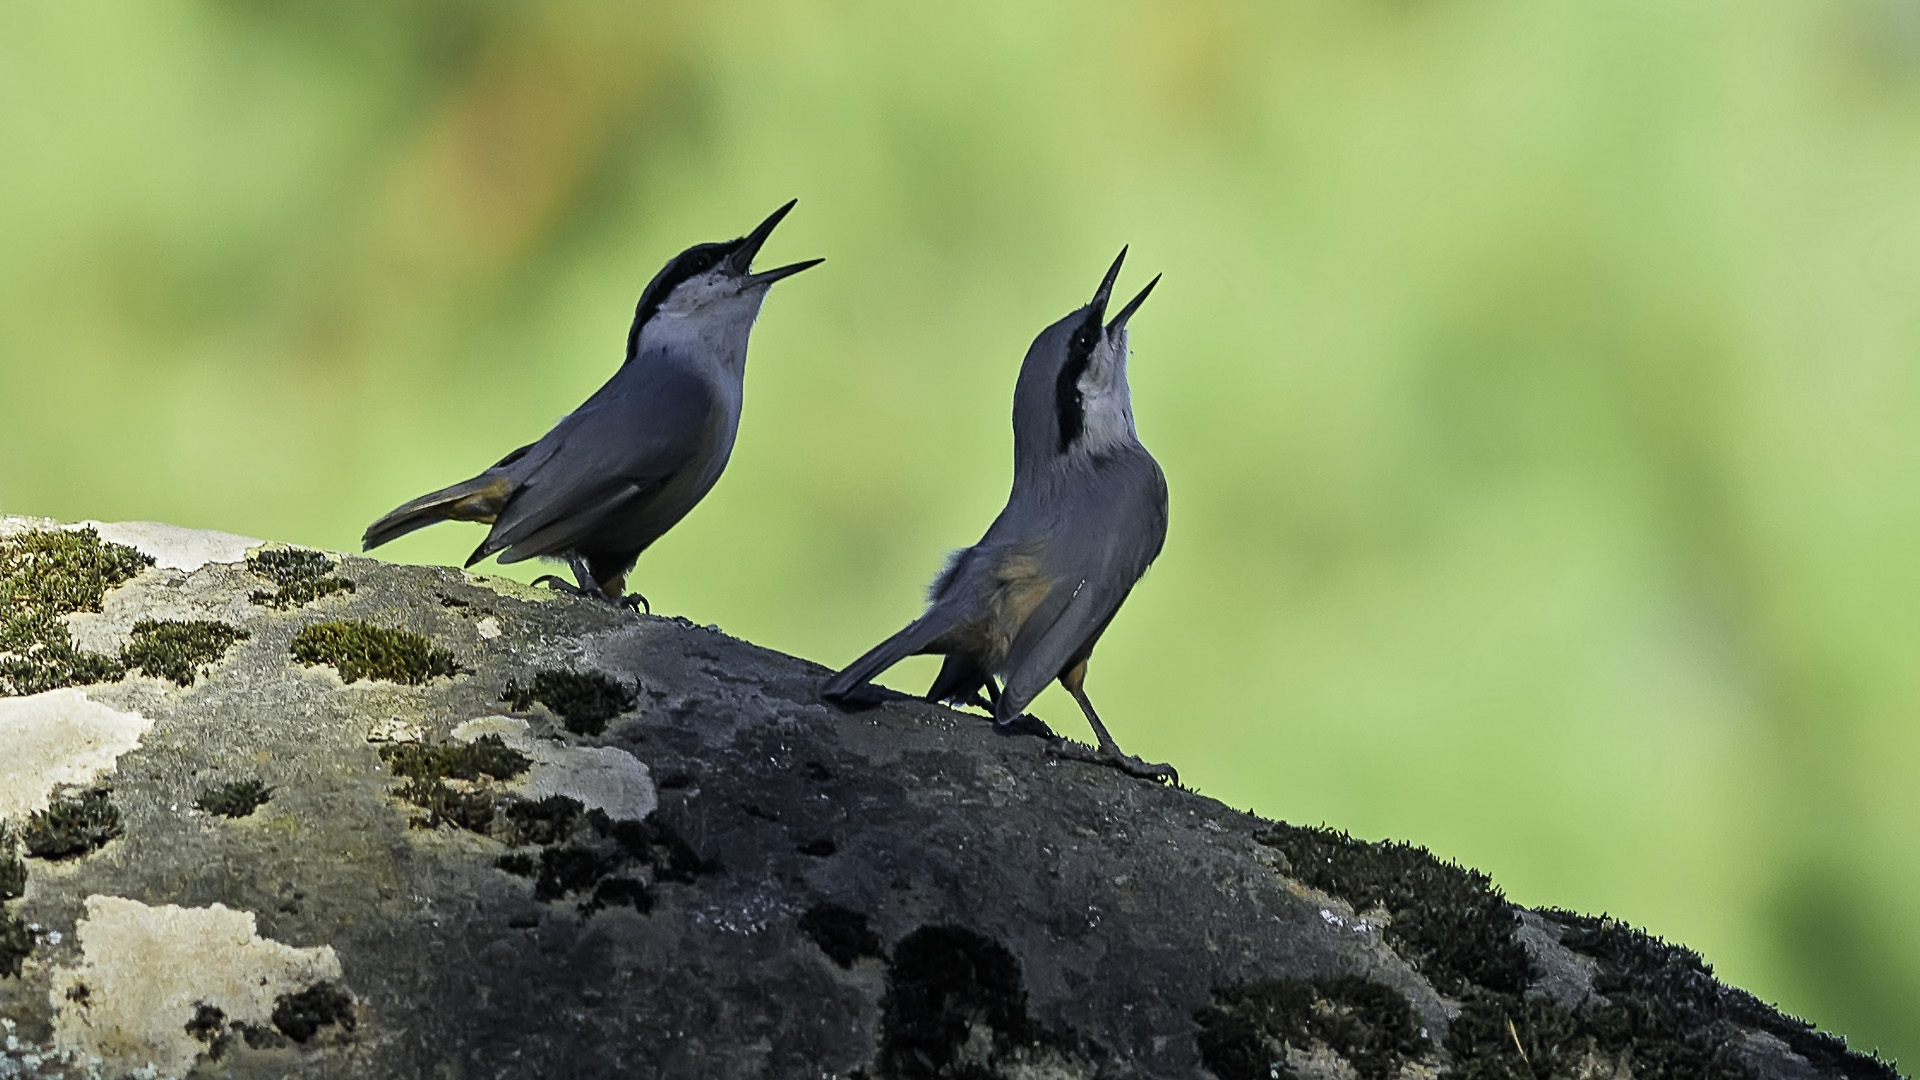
x=1536, y=381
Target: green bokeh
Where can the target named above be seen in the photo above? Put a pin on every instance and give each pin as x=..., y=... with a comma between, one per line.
x=1538, y=383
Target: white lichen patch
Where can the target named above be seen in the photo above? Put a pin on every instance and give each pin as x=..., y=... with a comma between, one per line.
x=144, y=972
x=601, y=777
x=175, y=548
x=58, y=738
x=395, y=729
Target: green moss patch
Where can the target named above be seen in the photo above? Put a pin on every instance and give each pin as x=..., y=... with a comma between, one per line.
x=49, y=574
x=546, y=821
x=584, y=700
x=487, y=755
x=1657, y=1011
x=16, y=944
x=13, y=872
x=234, y=800
x=469, y=810
x=604, y=863
x=43, y=576
x=427, y=766
x=579, y=854
x=177, y=650
x=1246, y=1033
x=72, y=825
x=16, y=941
x=301, y=1016
x=1448, y=921
x=1509, y=1037
x=64, y=571
x=1663, y=1001
x=207, y=1024
x=359, y=650
x=300, y=577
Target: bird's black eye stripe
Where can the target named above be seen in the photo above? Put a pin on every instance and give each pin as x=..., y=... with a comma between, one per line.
x=1068, y=407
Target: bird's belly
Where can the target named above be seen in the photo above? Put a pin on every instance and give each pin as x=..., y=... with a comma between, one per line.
x=1014, y=586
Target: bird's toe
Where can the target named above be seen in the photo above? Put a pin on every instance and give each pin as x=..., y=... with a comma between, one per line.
x=559, y=584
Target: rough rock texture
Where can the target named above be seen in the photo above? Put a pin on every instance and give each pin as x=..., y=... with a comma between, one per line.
x=379, y=821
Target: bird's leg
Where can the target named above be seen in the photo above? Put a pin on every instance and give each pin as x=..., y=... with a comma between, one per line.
x=586, y=587
x=560, y=585
x=1074, y=679
x=592, y=589
x=612, y=591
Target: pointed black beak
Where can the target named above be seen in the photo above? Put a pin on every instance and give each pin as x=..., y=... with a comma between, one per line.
x=742, y=258
x=1119, y=322
x=768, y=277
x=1105, y=291
x=749, y=245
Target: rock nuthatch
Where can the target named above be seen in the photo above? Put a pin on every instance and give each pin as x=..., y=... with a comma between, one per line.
x=1086, y=516
x=619, y=471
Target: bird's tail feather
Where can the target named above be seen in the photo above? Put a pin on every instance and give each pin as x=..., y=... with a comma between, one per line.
x=960, y=678
x=908, y=642
x=479, y=499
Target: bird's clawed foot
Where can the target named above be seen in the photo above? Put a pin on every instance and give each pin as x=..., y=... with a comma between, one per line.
x=561, y=585
x=1113, y=758
x=1133, y=766
x=558, y=584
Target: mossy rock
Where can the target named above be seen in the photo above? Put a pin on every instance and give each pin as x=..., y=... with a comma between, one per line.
x=236, y=799
x=177, y=650
x=359, y=650
x=74, y=824
x=300, y=577
x=790, y=891
x=46, y=574
x=585, y=701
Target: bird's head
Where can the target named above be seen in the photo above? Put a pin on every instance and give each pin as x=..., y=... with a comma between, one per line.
x=713, y=282
x=1072, y=395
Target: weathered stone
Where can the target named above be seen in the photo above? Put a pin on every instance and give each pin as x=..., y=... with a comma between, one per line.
x=674, y=861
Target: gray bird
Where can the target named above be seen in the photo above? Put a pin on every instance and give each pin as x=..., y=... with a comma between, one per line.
x=1087, y=514
x=619, y=471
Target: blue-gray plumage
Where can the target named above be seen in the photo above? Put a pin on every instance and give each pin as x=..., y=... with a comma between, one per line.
x=619, y=471
x=1087, y=514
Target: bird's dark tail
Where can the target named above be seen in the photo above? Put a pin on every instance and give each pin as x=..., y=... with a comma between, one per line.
x=479, y=499
x=843, y=688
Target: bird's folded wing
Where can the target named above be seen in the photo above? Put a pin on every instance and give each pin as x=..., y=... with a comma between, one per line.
x=1066, y=621
x=558, y=526
x=616, y=449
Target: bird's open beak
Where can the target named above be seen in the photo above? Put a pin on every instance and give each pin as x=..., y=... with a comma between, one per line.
x=742, y=258
x=1119, y=322
x=768, y=277
x=1105, y=291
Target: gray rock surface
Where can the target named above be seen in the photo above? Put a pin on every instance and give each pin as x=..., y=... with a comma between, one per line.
x=615, y=845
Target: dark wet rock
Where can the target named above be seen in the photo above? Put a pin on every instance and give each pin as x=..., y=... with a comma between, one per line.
x=682, y=864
